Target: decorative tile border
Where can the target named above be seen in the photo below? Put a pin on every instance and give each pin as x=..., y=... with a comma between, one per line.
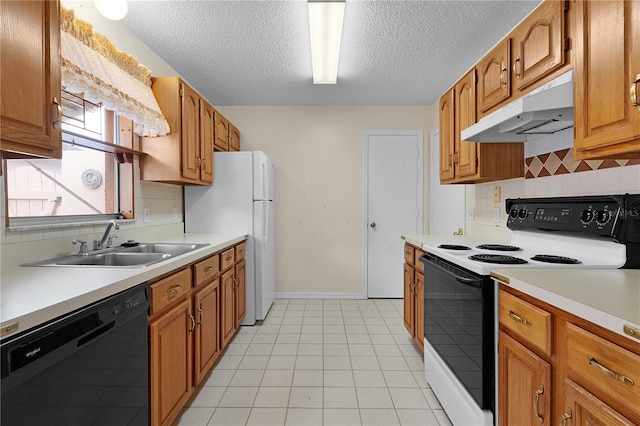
x=562, y=162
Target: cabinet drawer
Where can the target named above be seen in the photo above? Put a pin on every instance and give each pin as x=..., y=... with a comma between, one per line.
x=228, y=259
x=599, y=364
x=169, y=289
x=528, y=322
x=409, y=252
x=418, y=263
x=207, y=269
x=240, y=249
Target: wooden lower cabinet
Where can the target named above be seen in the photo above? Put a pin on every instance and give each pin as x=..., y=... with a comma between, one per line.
x=585, y=409
x=207, y=333
x=524, y=391
x=195, y=312
x=414, y=294
x=227, y=302
x=170, y=362
x=586, y=375
x=239, y=301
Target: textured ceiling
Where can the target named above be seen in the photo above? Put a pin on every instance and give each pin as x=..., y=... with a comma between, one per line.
x=257, y=52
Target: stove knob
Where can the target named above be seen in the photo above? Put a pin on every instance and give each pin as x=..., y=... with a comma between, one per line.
x=513, y=213
x=586, y=216
x=603, y=217
x=522, y=213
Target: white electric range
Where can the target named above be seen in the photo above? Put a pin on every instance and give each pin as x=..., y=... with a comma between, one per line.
x=461, y=298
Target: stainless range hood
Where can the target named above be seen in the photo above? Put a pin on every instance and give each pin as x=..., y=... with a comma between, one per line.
x=546, y=110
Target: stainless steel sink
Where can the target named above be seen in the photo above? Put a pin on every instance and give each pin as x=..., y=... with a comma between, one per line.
x=167, y=248
x=139, y=256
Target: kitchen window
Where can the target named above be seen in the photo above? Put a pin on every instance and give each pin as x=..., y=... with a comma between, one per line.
x=82, y=187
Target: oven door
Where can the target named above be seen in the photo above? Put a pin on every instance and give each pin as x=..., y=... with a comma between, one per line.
x=459, y=325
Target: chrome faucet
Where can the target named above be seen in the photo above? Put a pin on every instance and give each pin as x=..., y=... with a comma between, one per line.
x=97, y=244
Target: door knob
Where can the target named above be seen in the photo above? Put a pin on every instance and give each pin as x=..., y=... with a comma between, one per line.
x=372, y=225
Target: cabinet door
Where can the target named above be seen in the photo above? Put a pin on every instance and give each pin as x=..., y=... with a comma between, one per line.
x=409, y=296
x=494, y=79
x=466, y=154
x=190, y=144
x=30, y=77
x=171, y=363
x=227, y=302
x=419, y=311
x=538, y=44
x=240, y=294
x=607, y=65
x=207, y=338
x=447, y=132
x=582, y=408
x=222, y=133
x=234, y=138
x=207, y=134
x=524, y=388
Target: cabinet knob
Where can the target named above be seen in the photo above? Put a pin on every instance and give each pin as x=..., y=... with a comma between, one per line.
x=503, y=73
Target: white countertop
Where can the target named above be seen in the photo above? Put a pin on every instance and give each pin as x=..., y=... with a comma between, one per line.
x=609, y=298
x=34, y=295
x=420, y=240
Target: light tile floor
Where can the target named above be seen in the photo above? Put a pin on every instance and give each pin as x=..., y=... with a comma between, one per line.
x=320, y=362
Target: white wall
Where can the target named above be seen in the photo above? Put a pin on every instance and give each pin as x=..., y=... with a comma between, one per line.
x=318, y=155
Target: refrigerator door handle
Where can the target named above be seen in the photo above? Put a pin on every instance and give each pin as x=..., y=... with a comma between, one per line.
x=265, y=180
x=266, y=225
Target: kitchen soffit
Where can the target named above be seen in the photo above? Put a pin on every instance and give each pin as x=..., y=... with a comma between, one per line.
x=257, y=52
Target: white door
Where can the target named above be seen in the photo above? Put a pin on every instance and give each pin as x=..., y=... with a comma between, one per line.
x=393, y=203
x=446, y=202
x=264, y=255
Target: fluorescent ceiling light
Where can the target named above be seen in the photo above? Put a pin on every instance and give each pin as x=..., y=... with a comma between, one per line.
x=112, y=9
x=325, y=26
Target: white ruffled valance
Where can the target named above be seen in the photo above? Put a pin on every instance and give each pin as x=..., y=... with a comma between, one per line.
x=92, y=65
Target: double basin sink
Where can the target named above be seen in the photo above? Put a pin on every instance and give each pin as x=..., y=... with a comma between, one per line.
x=135, y=256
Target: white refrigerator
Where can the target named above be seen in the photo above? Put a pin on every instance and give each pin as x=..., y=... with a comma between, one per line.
x=241, y=200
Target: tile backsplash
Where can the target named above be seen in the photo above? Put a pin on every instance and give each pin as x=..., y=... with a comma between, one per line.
x=550, y=170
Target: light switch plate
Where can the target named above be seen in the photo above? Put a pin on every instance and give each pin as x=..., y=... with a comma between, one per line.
x=496, y=214
x=471, y=214
x=145, y=215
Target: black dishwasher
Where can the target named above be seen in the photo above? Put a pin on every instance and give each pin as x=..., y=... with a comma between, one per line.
x=89, y=367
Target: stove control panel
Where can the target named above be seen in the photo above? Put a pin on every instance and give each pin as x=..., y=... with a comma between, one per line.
x=569, y=214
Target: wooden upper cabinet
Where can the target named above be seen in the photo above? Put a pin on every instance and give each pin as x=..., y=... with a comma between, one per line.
x=189, y=117
x=494, y=78
x=30, y=78
x=222, y=133
x=466, y=153
x=607, y=71
x=538, y=44
x=447, y=131
x=190, y=132
x=207, y=137
x=234, y=138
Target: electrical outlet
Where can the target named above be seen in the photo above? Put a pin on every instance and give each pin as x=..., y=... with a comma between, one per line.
x=471, y=214
x=175, y=213
x=496, y=215
x=496, y=195
x=145, y=215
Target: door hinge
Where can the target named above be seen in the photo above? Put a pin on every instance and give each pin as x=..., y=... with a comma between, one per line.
x=566, y=6
x=181, y=92
x=567, y=44
x=476, y=161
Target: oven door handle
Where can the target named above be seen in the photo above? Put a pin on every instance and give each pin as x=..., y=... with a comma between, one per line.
x=473, y=282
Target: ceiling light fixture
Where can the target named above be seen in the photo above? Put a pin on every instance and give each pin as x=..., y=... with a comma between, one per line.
x=325, y=27
x=112, y=9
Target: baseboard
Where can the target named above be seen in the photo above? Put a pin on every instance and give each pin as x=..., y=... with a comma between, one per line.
x=305, y=295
